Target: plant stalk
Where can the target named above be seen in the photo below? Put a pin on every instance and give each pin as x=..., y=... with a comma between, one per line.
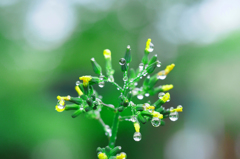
x=114, y=130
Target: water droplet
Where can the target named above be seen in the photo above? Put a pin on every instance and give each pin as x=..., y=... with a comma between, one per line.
x=108, y=131
x=135, y=84
x=141, y=77
x=140, y=96
x=100, y=97
x=147, y=94
x=141, y=67
x=61, y=104
x=146, y=66
x=148, y=77
x=161, y=75
x=111, y=79
x=134, y=119
x=155, y=122
x=160, y=95
x=151, y=47
x=125, y=78
x=173, y=116
x=78, y=83
x=145, y=73
x=117, y=88
x=137, y=136
x=101, y=84
x=122, y=61
x=158, y=64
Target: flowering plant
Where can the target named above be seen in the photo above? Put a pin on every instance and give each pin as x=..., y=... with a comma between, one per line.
x=89, y=102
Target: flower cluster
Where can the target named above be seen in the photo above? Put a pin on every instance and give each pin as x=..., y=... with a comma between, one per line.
x=90, y=103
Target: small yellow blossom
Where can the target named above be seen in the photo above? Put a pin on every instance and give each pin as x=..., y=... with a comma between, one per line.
x=78, y=91
x=178, y=109
x=150, y=107
x=157, y=115
x=121, y=156
x=61, y=106
x=107, y=54
x=148, y=44
x=102, y=156
x=67, y=98
x=137, y=127
x=167, y=87
x=166, y=97
x=85, y=80
x=169, y=68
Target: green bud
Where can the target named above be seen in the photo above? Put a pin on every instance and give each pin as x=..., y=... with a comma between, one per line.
x=77, y=113
x=76, y=100
x=72, y=107
x=89, y=102
x=158, y=103
x=152, y=60
x=123, y=64
x=152, y=81
x=116, y=150
x=146, y=113
x=93, y=81
x=146, y=83
x=141, y=119
x=87, y=109
x=151, y=67
x=132, y=73
x=139, y=108
x=99, y=149
x=96, y=67
x=128, y=56
x=125, y=102
x=93, y=96
x=84, y=97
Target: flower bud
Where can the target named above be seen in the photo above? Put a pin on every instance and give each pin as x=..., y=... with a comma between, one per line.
x=96, y=67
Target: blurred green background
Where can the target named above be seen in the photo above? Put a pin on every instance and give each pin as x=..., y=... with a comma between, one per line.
x=45, y=45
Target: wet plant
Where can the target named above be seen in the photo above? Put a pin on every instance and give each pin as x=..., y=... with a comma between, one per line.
x=89, y=102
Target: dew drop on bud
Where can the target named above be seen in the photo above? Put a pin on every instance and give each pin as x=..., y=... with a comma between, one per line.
x=147, y=94
x=122, y=61
x=173, y=116
x=140, y=96
x=158, y=64
x=108, y=131
x=135, y=84
x=125, y=78
x=78, y=83
x=160, y=95
x=151, y=47
x=137, y=136
x=101, y=84
x=155, y=122
x=161, y=75
x=140, y=67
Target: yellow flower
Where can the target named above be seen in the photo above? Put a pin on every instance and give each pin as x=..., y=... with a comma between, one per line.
x=78, y=91
x=157, y=115
x=166, y=97
x=85, y=80
x=169, y=68
x=102, y=156
x=137, y=127
x=167, y=87
x=122, y=155
x=61, y=105
x=178, y=109
x=67, y=98
x=107, y=54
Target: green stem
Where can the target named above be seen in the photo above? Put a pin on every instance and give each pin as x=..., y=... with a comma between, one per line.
x=114, y=130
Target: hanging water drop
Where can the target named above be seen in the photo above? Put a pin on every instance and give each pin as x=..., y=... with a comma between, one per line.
x=151, y=47
x=110, y=78
x=122, y=61
x=160, y=95
x=78, y=83
x=141, y=67
x=137, y=136
x=101, y=83
x=117, y=88
x=135, y=84
x=155, y=122
x=161, y=75
x=140, y=96
x=173, y=116
x=158, y=64
x=147, y=94
x=125, y=78
x=108, y=131
x=145, y=73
